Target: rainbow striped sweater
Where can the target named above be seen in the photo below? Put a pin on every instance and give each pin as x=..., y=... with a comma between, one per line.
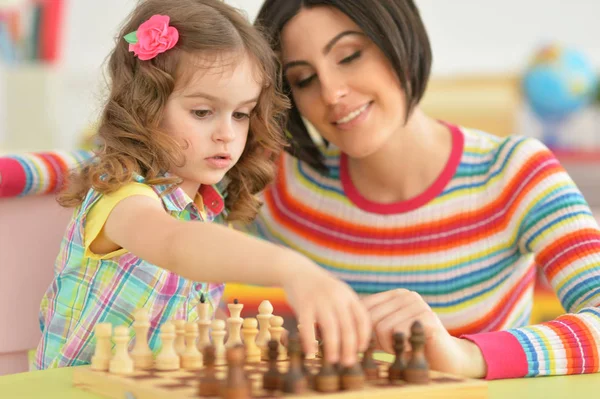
x=469, y=245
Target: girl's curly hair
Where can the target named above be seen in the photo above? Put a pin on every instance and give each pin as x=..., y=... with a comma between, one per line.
x=131, y=139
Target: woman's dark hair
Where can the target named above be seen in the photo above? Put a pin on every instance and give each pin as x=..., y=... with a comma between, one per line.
x=395, y=26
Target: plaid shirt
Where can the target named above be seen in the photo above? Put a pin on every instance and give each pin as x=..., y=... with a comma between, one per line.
x=87, y=291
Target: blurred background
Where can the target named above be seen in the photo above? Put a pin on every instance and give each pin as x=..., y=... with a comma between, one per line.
x=526, y=67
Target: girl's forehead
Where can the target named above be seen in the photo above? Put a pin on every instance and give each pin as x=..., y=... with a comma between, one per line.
x=218, y=67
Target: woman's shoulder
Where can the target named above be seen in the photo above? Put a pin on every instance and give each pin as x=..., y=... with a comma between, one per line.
x=501, y=149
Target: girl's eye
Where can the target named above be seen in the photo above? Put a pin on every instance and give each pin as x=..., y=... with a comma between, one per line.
x=201, y=113
x=240, y=115
x=305, y=82
x=350, y=58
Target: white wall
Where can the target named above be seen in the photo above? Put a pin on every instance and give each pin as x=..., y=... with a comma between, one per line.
x=468, y=36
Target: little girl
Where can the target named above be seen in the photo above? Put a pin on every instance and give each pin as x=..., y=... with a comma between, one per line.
x=192, y=104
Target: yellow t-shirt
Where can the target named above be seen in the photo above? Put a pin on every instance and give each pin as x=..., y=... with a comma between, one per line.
x=98, y=214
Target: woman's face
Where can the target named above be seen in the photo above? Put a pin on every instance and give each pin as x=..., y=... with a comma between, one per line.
x=341, y=81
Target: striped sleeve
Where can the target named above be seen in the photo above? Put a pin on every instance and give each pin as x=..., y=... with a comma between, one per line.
x=556, y=225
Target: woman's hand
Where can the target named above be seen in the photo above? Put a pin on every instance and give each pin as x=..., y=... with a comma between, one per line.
x=396, y=311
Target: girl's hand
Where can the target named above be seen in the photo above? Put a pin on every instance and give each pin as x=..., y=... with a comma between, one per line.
x=318, y=297
x=396, y=310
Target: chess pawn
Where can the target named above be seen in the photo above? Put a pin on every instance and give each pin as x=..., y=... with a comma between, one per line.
x=328, y=379
x=276, y=330
x=265, y=312
x=141, y=353
x=396, y=369
x=209, y=385
x=249, y=332
x=368, y=364
x=121, y=363
x=218, y=338
x=353, y=378
x=417, y=368
x=103, y=352
x=295, y=380
x=234, y=324
x=167, y=359
x=272, y=378
x=236, y=385
x=179, y=336
x=191, y=359
x=311, y=355
x=204, y=320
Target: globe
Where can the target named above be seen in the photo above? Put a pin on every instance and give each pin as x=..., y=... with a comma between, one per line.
x=559, y=82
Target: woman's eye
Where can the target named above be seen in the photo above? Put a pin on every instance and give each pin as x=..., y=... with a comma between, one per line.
x=350, y=58
x=305, y=82
x=201, y=113
x=240, y=115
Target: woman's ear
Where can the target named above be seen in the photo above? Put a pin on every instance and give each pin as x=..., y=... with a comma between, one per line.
x=314, y=134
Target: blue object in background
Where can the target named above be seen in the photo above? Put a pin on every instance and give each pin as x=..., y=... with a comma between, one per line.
x=559, y=82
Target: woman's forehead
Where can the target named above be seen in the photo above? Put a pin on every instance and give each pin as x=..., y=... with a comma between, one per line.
x=312, y=29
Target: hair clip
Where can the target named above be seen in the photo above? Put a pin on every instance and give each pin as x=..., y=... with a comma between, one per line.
x=153, y=37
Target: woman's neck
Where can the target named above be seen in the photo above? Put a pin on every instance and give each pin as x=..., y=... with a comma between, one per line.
x=407, y=164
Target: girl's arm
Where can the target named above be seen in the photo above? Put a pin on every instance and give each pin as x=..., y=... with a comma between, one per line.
x=210, y=252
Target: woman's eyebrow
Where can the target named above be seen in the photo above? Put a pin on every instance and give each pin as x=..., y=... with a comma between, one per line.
x=326, y=49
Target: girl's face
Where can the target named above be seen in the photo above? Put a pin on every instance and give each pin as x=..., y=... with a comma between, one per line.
x=210, y=117
x=341, y=82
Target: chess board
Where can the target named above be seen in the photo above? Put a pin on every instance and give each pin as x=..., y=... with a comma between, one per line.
x=185, y=384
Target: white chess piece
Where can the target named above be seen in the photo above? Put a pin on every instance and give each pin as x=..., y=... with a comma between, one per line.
x=312, y=355
x=167, y=359
x=121, y=363
x=265, y=312
x=218, y=338
x=249, y=332
x=204, y=322
x=179, y=336
x=276, y=330
x=103, y=352
x=191, y=359
x=234, y=324
x=141, y=353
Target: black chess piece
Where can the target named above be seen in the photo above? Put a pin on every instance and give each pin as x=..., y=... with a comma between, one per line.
x=236, y=385
x=352, y=377
x=272, y=378
x=396, y=370
x=417, y=368
x=369, y=366
x=294, y=381
x=328, y=378
x=209, y=384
